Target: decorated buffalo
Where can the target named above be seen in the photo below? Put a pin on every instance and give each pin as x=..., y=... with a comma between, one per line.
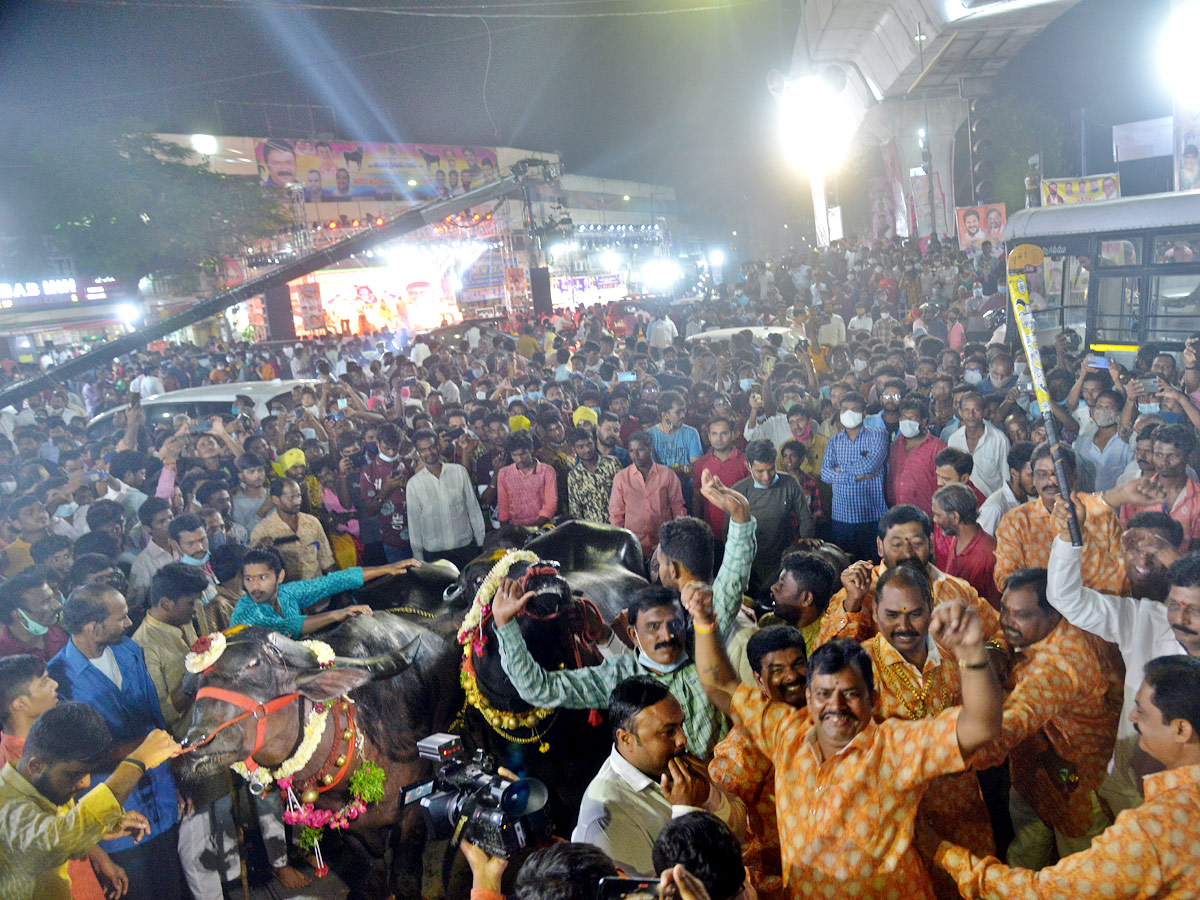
x=333, y=721
x=600, y=562
x=563, y=748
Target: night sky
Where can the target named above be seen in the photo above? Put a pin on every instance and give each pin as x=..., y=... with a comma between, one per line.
x=677, y=99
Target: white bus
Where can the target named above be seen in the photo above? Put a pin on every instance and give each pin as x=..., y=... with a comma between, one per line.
x=1121, y=273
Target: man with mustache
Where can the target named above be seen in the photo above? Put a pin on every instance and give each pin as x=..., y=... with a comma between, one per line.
x=848, y=805
x=905, y=535
x=1161, y=617
x=656, y=625
x=1140, y=855
x=1024, y=535
x=648, y=779
x=1173, y=447
x=1060, y=725
x=777, y=656
x=915, y=679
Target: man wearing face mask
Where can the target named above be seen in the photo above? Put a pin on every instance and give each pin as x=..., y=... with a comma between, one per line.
x=911, y=476
x=854, y=463
x=29, y=610
x=1102, y=448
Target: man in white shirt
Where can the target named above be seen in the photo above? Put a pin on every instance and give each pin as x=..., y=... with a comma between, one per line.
x=832, y=332
x=1142, y=629
x=986, y=443
x=1015, y=491
x=151, y=385
x=648, y=780
x=861, y=321
x=444, y=518
x=661, y=332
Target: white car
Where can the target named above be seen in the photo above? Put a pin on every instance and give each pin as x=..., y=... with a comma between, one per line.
x=758, y=332
x=201, y=402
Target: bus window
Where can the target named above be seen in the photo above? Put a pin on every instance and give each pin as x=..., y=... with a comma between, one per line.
x=1075, y=291
x=1176, y=248
x=1117, y=308
x=1119, y=252
x=1174, y=311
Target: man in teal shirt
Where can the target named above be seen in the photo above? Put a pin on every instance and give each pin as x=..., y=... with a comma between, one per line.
x=656, y=625
x=270, y=602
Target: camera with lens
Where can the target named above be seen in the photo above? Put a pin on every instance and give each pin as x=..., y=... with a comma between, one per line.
x=468, y=800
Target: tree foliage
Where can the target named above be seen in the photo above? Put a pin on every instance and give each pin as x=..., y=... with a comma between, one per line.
x=1018, y=127
x=122, y=202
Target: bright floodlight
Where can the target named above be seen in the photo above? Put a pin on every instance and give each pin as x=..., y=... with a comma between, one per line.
x=716, y=257
x=660, y=274
x=127, y=312
x=1177, y=54
x=816, y=125
x=204, y=144
x=611, y=260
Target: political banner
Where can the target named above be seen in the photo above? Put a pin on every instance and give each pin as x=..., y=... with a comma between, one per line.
x=883, y=209
x=977, y=224
x=344, y=170
x=1061, y=191
x=1187, y=149
x=891, y=167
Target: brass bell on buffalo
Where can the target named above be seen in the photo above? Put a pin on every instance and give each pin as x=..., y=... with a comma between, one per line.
x=309, y=796
x=327, y=780
x=341, y=760
x=347, y=734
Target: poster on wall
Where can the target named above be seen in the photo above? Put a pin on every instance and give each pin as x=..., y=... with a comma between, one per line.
x=345, y=170
x=891, y=166
x=1187, y=149
x=977, y=224
x=883, y=211
x=1063, y=191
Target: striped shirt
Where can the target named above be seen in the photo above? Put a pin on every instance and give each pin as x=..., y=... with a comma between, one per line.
x=854, y=501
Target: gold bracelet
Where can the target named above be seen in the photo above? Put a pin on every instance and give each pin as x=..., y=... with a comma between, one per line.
x=701, y=629
x=963, y=664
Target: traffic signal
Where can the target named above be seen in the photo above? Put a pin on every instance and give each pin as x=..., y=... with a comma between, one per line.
x=983, y=163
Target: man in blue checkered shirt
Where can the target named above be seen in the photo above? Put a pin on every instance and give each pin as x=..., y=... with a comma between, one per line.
x=856, y=465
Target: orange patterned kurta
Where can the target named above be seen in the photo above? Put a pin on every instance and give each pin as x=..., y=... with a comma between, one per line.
x=744, y=771
x=1149, y=852
x=953, y=803
x=1025, y=534
x=846, y=823
x=860, y=626
x=1064, y=707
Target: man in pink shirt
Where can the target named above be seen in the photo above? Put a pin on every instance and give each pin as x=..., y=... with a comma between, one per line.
x=527, y=490
x=725, y=461
x=911, y=470
x=644, y=494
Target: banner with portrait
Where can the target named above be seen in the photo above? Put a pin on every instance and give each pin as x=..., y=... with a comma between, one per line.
x=977, y=224
x=345, y=170
x=1187, y=149
x=1061, y=191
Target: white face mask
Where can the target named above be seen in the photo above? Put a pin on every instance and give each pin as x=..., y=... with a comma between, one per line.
x=972, y=376
x=909, y=428
x=860, y=365
x=851, y=418
x=1104, y=417
x=481, y=395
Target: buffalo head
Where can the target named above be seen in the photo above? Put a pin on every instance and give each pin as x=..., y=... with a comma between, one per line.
x=260, y=665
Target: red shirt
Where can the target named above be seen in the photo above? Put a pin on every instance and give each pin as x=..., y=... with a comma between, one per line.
x=976, y=565
x=729, y=471
x=911, y=478
x=55, y=640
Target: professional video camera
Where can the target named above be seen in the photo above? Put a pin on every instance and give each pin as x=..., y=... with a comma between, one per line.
x=467, y=800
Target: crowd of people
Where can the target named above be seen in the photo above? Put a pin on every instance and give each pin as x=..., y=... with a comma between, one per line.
x=870, y=662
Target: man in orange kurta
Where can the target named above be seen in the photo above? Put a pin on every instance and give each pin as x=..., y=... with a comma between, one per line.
x=1060, y=723
x=847, y=788
x=777, y=658
x=1025, y=534
x=916, y=679
x=905, y=537
x=1150, y=852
